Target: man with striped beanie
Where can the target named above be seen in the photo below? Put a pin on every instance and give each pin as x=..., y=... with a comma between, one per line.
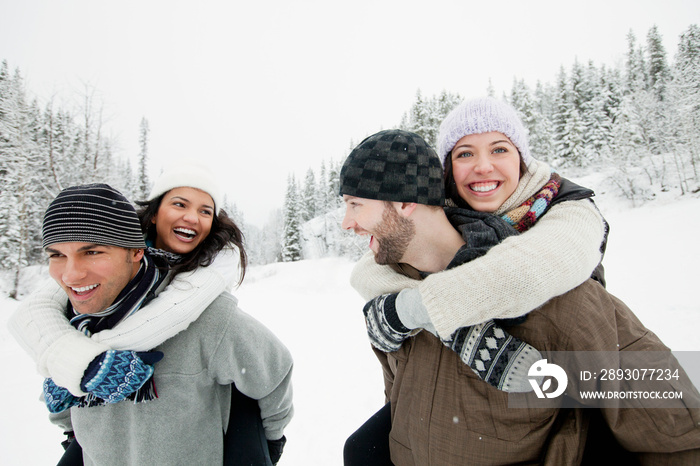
x=92, y=236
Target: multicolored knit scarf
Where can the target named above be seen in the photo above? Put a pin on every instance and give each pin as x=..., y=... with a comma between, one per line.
x=526, y=214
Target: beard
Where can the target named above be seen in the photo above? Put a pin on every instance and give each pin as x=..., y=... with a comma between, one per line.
x=394, y=234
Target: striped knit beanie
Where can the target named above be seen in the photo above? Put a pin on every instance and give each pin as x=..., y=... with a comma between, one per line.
x=482, y=115
x=394, y=165
x=92, y=213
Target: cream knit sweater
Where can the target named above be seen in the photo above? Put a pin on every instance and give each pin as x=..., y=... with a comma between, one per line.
x=518, y=275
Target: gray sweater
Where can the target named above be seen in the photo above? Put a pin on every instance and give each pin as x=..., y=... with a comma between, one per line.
x=185, y=425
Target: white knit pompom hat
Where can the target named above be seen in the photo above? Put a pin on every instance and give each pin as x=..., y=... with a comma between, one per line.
x=478, y=116
x=185, y=173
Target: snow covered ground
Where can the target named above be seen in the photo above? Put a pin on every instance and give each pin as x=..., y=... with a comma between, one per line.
x=651, y=263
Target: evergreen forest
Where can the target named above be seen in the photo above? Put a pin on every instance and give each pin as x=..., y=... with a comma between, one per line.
x=639, y=121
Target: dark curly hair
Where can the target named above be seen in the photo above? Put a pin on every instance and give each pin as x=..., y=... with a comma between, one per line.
x=224, y=232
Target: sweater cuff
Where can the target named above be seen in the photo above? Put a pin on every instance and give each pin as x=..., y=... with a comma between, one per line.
x=69, y=356
x=444, y=325
x=391, y=316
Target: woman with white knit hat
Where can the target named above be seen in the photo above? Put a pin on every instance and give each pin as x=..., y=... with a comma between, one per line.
x=182, y=220
x=488, y=167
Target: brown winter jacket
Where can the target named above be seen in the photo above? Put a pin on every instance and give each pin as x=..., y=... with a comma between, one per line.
x=443, y=415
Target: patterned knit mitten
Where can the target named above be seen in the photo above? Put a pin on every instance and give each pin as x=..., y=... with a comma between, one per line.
x=385, y=330
x=498, y=358
x=114, y=375
x=57, y=398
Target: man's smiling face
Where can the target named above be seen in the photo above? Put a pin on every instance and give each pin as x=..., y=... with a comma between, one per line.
x=92, y=275
x=390, y=233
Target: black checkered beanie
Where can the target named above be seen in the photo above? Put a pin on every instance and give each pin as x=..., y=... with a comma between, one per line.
x=92, y=213
x=394, y=165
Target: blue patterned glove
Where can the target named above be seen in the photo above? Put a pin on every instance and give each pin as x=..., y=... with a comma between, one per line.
x=114, y=375
x=385, y=330
x=57, y=398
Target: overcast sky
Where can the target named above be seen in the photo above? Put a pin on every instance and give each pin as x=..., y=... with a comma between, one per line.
x=263, y=89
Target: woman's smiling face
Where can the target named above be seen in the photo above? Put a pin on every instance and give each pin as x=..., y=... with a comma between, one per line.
x=183, y=220
x=486, y=170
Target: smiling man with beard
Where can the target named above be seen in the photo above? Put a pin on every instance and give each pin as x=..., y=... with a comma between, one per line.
x=439, y=409
x=392, y=188
x=391, y=235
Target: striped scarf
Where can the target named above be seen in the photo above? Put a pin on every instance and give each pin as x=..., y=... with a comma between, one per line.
x=141, y=289
x=526, y=214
